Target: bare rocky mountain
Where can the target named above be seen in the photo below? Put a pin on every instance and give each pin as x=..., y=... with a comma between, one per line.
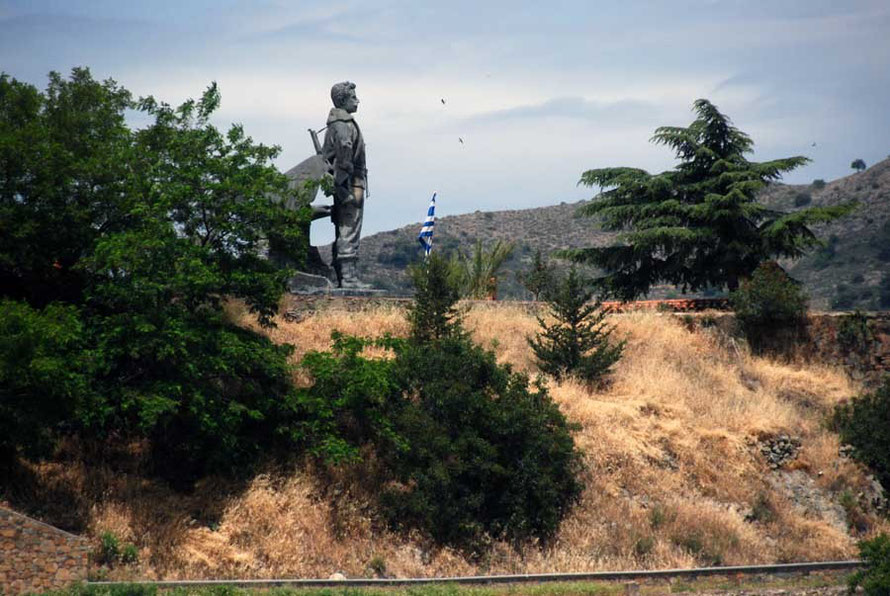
x=851, y=271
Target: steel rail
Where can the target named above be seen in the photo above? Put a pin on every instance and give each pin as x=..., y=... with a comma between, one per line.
x=779, y=568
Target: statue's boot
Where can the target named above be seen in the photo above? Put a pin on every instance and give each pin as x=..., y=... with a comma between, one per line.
x=349, y=279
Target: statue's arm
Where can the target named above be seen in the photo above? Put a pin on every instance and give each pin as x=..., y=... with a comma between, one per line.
x=343, y=150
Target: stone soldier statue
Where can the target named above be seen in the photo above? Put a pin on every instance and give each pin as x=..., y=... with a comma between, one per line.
x=344, y=150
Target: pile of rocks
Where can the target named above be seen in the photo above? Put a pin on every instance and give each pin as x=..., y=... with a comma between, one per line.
x=780, y=450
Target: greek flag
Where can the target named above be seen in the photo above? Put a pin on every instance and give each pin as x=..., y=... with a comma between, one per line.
x=426, y=231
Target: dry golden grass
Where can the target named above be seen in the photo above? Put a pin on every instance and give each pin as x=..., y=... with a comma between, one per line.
x=674, y=475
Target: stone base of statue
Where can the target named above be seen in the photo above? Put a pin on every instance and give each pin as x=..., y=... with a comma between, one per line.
x=320, y=277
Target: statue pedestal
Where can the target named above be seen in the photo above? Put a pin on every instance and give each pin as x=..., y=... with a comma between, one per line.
x=336, y=292
x=358, y=292
x=309, y=284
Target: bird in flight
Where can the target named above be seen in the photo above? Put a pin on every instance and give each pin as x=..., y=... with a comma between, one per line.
x=443, y=101
x=461, y=140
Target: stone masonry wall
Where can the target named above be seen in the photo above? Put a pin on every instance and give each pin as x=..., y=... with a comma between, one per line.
x=35, y=557
x=857, y=342
x=860, y=342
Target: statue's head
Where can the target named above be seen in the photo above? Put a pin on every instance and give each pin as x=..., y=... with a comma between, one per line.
x=343, y=96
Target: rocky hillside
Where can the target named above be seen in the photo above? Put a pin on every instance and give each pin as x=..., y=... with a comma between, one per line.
x=853, y=269
x=847, y=273
x=386, y=254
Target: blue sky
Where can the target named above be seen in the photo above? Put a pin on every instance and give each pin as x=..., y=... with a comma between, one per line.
x=538, y=91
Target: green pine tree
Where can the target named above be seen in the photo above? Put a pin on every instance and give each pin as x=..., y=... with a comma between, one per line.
x=578, y=342
x=538, y=278
x=699, y=225
x=433, y=314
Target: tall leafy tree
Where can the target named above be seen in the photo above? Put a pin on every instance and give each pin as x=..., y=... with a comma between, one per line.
x=699, y=225
x=135, y=239
x=858, y=164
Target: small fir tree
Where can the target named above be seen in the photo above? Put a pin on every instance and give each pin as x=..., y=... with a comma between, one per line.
x=538, y=278
x=432, y=314
x=578, y=342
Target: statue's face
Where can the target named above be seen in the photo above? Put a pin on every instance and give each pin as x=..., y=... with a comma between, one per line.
x=350, y=104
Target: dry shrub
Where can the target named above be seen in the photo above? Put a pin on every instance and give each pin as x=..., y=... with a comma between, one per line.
x=714, y=534
x=674, y=476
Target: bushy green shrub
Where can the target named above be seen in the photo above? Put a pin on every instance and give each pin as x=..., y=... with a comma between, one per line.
x=465, y=448
x=802, y=199
x=487, y=456
x=818, y=183
x=129, y=554
x=109, y=549
x=864, y=423
x=854, y=333
x=768, y=304
x=874, y=578
x=579, y=342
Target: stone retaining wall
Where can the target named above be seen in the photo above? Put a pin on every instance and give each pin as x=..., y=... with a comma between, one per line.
x=35, y=557
x=858, y=342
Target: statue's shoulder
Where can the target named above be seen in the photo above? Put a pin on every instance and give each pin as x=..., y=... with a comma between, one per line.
x=339, y=115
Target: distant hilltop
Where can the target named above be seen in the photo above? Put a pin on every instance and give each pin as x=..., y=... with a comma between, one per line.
x=845, y=274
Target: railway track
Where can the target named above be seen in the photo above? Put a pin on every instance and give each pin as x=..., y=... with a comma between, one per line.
x=789, y=569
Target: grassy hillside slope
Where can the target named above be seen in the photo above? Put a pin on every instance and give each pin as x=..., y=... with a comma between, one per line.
x=676, y=473
x=846, y=274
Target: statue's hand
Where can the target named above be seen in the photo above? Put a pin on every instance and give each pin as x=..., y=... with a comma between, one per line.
x=320, y=211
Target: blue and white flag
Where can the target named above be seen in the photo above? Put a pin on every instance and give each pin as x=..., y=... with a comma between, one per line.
x=426, y=231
